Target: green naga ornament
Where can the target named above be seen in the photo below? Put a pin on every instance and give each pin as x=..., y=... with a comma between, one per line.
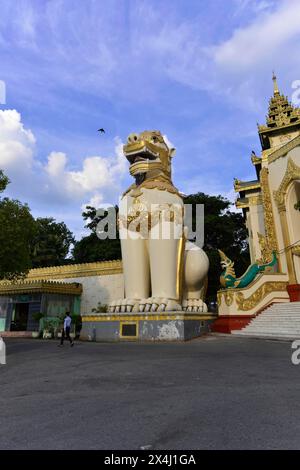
x=228, y=278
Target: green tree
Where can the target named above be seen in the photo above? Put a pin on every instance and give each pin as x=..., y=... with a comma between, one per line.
x=51, y=243
x=91, y=248
x=224, y=230
x=17, y=228
x=4, y=181
x=91, y=217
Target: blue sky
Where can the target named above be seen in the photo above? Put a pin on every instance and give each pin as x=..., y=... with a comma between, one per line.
x=199, y=71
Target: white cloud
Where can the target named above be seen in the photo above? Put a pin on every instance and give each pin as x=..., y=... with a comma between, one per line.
x=74, y=47
x=234, y=67
x=54, y=184
x=56, y=164
x=95, y=201
x=97, y=174
x=257, y=42
x=16, y=143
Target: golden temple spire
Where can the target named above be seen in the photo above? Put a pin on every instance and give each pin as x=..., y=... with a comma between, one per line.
x=276, y=89
x=281, y=112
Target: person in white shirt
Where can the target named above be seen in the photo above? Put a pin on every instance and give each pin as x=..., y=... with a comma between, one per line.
x=66, y=330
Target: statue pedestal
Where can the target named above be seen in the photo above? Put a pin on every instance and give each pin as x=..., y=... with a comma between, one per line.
x=146, y=326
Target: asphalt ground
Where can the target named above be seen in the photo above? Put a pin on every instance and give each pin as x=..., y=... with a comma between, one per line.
x=211, y=393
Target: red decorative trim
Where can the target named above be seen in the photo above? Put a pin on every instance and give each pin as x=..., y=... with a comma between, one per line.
x=294, y=292
x=226, y=324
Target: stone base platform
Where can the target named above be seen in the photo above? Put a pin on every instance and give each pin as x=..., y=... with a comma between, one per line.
x=165, y=326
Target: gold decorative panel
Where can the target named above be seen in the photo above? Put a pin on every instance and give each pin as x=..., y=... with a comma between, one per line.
x=258, y=295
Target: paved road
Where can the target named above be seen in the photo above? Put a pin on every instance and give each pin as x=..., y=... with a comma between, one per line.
x=212, y=393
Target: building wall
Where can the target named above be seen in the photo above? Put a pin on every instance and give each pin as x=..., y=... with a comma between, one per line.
x=285, y=136
x=277, y=172
x=99, y=289
x=256, y=225
x=293, y=220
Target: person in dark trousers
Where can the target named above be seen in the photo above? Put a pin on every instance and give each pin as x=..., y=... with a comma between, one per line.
x=78, y=326
x=66, y=330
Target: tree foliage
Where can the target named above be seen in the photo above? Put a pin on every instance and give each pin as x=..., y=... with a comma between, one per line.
x=91, y=217
x=224, y=230
x=17, y=227
x=91, y=248
x=4, y=181
x=17, y=230
x=52, y=242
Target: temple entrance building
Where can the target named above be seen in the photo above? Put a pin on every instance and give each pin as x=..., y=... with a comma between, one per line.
x=21, y=301
x=270, y=204
x=54, y=290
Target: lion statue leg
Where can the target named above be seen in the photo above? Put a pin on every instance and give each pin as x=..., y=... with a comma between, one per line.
x=164, y=265
x=196, y=265
x=136, y=271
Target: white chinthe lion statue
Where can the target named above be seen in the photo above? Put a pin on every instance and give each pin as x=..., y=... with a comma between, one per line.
x=162, y=270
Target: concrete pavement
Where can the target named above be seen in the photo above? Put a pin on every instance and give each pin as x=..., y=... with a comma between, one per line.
x=210, y=393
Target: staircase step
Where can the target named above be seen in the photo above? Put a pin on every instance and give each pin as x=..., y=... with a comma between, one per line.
x=267, y=336
x=274, y=328
x=277, y=317
x=277, y=321
x=264, y=333
x=281, y=322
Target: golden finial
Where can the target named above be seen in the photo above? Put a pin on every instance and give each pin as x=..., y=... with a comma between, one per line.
x=276, y=90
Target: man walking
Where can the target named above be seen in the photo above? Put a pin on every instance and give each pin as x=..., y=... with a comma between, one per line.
x=66, y=330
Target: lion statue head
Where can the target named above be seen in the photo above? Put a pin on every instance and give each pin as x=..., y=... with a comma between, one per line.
x=148, y=152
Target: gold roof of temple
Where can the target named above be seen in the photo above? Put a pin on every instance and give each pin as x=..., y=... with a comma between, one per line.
x=40, y=286
x=256, y=160
x=245, y=185
x=281, y=113
x=242, y=203
x=98, y=268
